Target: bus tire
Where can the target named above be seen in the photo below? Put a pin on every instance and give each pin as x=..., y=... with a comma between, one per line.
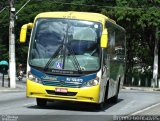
x=106, y=93
x=100, y=106
x=114, y=99
x=41, y=102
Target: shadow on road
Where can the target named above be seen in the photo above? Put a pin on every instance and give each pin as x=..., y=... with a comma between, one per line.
x=76, y=106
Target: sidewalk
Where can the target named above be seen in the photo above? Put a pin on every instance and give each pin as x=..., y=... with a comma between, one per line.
x=20, y=85
x=141, y=88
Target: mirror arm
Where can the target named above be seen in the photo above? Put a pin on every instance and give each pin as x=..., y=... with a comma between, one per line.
x=24, y=31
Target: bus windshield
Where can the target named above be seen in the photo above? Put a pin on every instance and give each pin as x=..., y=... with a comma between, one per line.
x=65, y=44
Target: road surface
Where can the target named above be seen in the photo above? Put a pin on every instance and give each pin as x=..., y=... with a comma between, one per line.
x=131, y=102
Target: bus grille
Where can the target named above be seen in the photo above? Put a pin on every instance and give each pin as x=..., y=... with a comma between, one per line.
x=52, y=92
x=62, y=84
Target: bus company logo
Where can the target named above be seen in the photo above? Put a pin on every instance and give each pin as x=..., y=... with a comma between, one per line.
x=49, y=78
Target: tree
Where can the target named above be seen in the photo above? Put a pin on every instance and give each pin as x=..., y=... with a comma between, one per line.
x=139, y=17
x=141, y=25
x=3, y=52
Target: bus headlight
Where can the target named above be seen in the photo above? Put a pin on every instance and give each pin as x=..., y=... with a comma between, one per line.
x=90, y=83
x=34, y=78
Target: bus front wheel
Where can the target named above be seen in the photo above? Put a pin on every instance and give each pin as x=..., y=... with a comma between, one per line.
x=41, y=102
x=100, y=106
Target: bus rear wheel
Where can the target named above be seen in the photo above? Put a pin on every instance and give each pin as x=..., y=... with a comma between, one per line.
x=106, y=93
x=41, y=102
x=114, y=99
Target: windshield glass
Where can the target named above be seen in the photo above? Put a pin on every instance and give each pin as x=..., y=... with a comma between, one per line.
x=66, y=44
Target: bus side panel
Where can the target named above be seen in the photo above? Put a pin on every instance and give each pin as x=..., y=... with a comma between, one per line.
x=115, y=52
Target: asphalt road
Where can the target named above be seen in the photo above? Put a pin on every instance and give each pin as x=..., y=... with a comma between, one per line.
x=15, y=103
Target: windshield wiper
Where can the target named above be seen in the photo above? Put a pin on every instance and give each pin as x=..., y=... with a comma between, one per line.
x=66, y=45
x=53, y=56
x=75, y=62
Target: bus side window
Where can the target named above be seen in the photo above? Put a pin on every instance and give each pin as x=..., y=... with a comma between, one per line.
x=111, y=52
x=111, y=43
x=119, y=47
x=106, y=62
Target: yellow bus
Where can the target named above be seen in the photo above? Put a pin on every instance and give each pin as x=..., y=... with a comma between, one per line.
x=74, y=56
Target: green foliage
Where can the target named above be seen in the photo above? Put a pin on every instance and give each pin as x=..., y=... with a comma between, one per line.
x=3, y=3
x=3, y=53
x=139, y=17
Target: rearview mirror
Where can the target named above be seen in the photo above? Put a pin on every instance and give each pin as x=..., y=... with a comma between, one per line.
x=23, y=33
x=104, y=38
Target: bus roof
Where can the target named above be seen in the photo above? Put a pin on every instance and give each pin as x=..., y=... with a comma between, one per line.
x=76, y=15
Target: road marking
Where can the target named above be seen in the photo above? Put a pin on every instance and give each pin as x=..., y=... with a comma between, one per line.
x=145, y=109
x=7, y=90
x=29, y=104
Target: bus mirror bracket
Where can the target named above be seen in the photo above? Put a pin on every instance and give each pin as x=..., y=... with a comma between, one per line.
x=23, y=32
x=104, y=38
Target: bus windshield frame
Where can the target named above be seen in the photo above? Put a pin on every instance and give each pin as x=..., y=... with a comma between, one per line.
x=65, y=46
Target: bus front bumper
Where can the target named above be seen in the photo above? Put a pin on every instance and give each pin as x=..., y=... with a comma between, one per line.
x=85, y=94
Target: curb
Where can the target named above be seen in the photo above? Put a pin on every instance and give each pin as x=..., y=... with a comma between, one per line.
x=141, y=88
x=19, y=87
x=7, y=89
x=10, y=89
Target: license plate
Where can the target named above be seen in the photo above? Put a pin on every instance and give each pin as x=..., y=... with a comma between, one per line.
x=63, y=90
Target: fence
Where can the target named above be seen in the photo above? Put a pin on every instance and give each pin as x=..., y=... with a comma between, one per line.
x=139, y=79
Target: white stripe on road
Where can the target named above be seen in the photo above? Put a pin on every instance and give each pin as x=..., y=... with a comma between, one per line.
x=145, y=109
x=29, y=104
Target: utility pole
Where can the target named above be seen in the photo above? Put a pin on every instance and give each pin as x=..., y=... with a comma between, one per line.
x=12, y=62
x=155, y=65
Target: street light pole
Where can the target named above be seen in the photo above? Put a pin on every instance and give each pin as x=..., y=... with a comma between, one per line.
x=12, y=62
